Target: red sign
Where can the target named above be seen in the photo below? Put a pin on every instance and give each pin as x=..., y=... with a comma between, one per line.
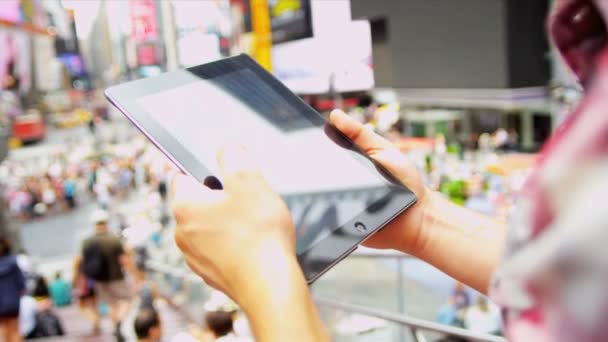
x=144, y=25
x=146, y=55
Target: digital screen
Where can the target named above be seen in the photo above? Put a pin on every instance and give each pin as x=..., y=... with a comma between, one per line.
x=323, y=184
x=74, y=63
x=289, y=19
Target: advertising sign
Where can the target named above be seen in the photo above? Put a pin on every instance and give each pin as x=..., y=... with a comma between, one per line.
x=144, y=25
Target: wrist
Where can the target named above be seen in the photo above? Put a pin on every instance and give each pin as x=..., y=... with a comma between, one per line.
x=273, y=287
x=269, y=266
x=415, y=231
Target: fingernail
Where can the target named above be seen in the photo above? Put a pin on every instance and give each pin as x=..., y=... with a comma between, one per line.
x=338, y=112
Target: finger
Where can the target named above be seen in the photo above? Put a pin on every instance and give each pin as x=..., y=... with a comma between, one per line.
x=238, y=168
x=360, y=134
x=378, y=148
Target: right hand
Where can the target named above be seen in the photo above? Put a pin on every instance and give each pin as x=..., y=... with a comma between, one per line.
x=404, y=233
x=241, y=236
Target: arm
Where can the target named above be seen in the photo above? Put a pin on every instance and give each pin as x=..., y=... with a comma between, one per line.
x=126, y=259
x=76, y=270
x=278, y=302
x=458, y=241
x=250, y=256
x=462, y=243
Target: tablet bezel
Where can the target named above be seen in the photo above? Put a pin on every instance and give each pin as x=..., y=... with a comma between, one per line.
x=343, y=240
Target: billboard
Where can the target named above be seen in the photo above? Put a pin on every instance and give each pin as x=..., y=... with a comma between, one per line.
x=338, y=57
x=289, y=19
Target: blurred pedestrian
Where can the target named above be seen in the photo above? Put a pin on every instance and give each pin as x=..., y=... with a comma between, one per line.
x=47, y=321
x=84, y=289
x=462, y=299
x=148, y=326
x=28, y=308
x=12, y=286
x=221, y=319
x=69, y=192
x=48, y=195
x=447, y=312
x=220, y=327
x=104, y=259
x=61, y=292
x=483, y=317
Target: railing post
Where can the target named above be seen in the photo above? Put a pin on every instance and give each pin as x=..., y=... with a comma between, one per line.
x=417, y=335
x=400, y=295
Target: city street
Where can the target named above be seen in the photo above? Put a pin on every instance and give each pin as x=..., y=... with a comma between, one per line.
x=54, y=240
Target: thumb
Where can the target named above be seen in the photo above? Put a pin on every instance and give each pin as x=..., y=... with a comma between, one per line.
x=375, y=146
x=361, y=135
x=238, y=167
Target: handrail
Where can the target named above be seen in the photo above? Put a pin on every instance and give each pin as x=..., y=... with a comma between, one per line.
x=413, y=323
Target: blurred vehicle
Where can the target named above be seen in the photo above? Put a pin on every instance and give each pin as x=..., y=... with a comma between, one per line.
x=71, y=119
x=29, y=127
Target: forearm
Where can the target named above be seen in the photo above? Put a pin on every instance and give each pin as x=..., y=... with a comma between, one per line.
x=278, y=303
x=462, y=243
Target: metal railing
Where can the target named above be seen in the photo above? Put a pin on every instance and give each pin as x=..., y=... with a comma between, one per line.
x=415, y=326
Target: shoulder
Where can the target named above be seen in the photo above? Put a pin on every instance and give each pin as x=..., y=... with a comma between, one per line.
x=10, y=264
x=10, y=261
x=115, y=239
x=87, y=242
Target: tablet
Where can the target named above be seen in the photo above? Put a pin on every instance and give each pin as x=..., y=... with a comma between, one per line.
x=337, y=196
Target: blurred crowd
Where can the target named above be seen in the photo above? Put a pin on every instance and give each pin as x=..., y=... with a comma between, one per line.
x=479, y=315
x=45, y=185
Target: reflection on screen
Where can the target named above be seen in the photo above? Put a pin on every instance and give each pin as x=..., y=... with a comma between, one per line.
x=298, y=159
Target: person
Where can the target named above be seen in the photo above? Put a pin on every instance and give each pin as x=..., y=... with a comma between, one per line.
x=28, y=308
x=220, y=326
x=60, y=290
x=104, y=259
x=462, y=299
x=69, y=192
x=146, y=291
x=483, y=317
x=221, y=319
x=84, y=289
x=147, y=326
x=12, y=286
x=47, y=323
x=447, y=314
x=41, y=289
x=546, y=272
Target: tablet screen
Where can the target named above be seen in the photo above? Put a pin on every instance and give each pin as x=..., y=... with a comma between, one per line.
x=327, y=186
x=295, y=156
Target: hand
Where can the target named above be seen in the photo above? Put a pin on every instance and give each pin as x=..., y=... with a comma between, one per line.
x=231, y=237
x=405, y=232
